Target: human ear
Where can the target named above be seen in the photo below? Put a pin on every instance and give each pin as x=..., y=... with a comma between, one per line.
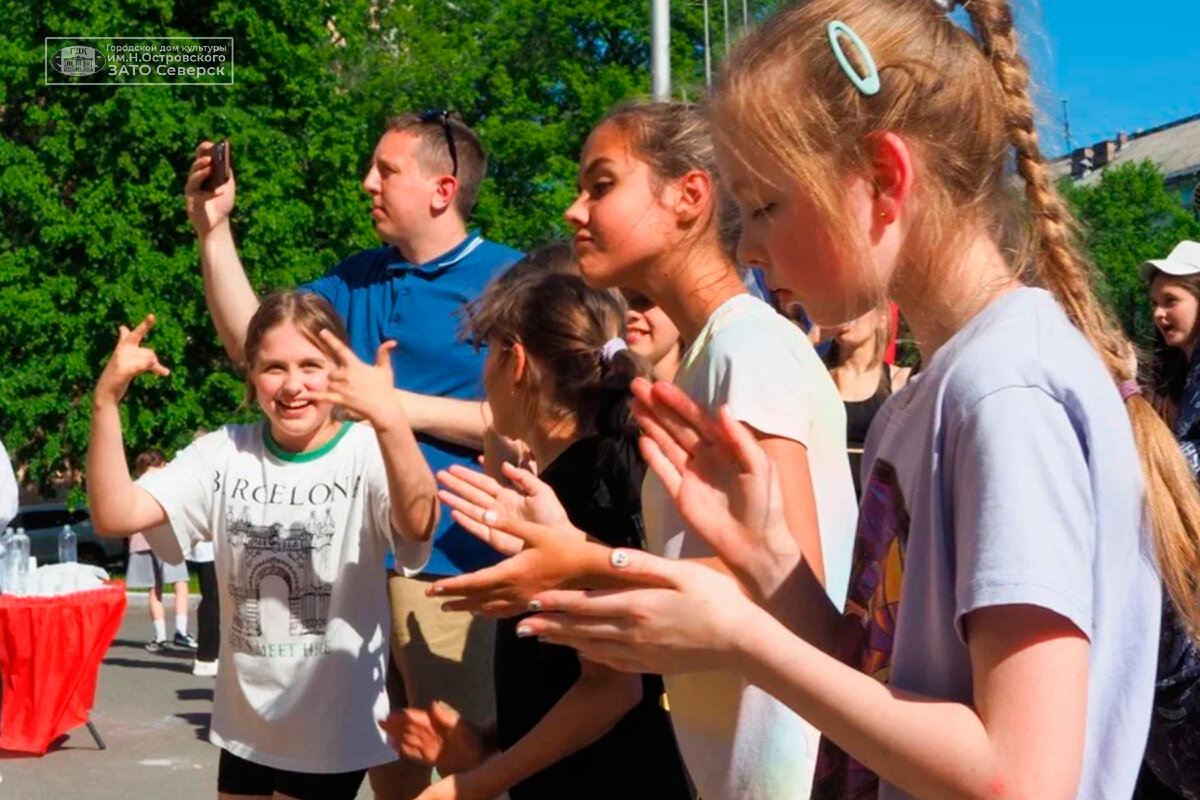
x=519, y=363
x=694, y=195
x=891, y=167
x=444, y=193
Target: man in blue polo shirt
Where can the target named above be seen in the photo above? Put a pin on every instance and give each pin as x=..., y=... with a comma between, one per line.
x=423, y=180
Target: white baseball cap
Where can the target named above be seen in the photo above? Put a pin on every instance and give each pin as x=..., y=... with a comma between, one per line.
x=1184, y=260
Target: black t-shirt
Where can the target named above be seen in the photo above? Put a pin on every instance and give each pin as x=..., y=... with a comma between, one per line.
x=598, y=480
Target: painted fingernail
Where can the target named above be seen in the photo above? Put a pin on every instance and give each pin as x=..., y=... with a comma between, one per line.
x=523, y=631
x=535, y=605
x=490, y=517
x=619, y=559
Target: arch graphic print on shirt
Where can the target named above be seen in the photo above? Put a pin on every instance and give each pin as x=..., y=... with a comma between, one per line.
x=298, y=556
x=873, y=601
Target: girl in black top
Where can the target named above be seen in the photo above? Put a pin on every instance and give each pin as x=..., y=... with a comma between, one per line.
x=557, y=377
x=855, y=361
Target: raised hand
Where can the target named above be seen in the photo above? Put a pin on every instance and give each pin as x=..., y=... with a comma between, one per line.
x=688, y=622
x=473, y=494
x=364, y=390
x=208, y=210
x=440, y=737
x=129, y=359
x=722, y=481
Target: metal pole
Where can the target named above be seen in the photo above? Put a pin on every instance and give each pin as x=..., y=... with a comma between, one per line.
x=707, y=50
x=1067, y=125
x=726, y=2
x=745, y=14
x=660, y=49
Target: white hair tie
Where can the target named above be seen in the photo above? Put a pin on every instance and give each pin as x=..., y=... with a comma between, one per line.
x=947, y=5
x=611, y=348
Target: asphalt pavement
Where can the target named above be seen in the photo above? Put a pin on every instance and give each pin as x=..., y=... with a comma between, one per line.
x=152, y=714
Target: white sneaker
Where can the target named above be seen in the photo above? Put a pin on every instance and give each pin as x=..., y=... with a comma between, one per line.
x=205, y=669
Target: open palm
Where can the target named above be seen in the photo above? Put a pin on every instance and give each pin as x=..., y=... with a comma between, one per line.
x=723, y=483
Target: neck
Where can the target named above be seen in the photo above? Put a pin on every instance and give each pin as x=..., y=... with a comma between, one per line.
x=548, y=439
x=668, y=365
x=440, y=236
x=308, y=442
x=939, y=299
x=861, y=359
x=690, y=286
x=1189, y=350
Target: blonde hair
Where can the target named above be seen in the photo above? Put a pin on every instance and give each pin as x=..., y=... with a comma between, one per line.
x=963, y=105
x=310, y=313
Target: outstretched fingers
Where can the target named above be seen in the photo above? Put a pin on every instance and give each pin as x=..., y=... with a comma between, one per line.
x=341, y=351
x=383, y=356
x=474, y=487
x=523, y=479
x=745, y=448
x=135, y=336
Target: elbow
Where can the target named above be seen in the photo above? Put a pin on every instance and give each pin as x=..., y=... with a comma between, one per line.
x=1014, y=786
x=104, y=527
x=622, y=690
x=419, y=520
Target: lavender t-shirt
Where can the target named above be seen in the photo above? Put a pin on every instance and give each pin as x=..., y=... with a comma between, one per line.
x=1006, y=473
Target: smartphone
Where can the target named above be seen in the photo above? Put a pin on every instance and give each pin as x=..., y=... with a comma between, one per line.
x=220, y=166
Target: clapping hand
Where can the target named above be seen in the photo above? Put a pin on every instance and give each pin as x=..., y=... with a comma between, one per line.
x=723, y=482
x=473, y=494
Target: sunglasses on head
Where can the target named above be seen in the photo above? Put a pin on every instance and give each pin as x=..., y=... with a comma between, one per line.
x=442, y=117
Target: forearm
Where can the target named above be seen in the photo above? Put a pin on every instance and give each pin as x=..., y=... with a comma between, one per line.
x=114, y=500
x=589, y=709
x=460, y=422
x=929, y=748
x=411, y=487
x=227, y=291
x=802, y=605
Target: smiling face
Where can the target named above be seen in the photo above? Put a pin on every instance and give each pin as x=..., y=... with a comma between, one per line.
x=287, y=369
x=649, y=332
x=620, y=219
x=401, y=191
x=1175, y=307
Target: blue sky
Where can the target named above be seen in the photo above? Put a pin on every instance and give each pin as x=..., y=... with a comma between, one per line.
x=1123, y=66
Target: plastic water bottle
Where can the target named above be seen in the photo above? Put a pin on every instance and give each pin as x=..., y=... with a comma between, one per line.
x=20, y=546
x=4, y=546
x=67, y=551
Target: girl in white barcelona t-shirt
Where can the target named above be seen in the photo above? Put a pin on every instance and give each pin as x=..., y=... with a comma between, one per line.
x=302, y=508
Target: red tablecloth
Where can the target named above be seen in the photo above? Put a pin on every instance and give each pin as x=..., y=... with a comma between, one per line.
x=50, y=653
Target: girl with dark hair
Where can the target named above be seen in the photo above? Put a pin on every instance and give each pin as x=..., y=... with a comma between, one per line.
x=557, y=377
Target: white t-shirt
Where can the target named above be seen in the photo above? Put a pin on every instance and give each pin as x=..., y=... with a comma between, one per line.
x=740, y=743
x=300, y=546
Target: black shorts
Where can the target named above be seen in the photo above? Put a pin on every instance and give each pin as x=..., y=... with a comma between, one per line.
x=239, y=776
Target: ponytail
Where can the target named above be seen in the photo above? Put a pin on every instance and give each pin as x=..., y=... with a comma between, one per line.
x=1172, y=498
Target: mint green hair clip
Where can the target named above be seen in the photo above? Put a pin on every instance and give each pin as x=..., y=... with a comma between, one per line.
x=867, y=84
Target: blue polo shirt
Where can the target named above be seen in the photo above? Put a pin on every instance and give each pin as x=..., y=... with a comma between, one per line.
x=381, y=296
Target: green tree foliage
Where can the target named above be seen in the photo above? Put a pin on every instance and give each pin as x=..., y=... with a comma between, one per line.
x=1127, y=218
x=92, y=228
